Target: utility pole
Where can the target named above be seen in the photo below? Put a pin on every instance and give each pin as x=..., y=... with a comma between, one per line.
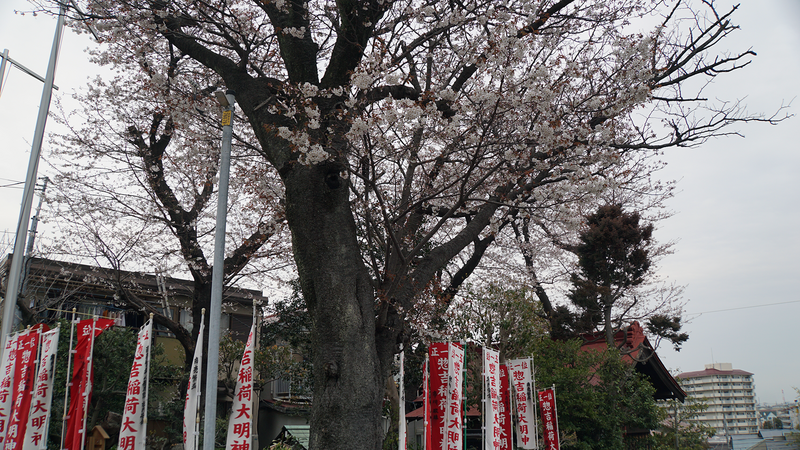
x=227, y=101
x=32, y=235
x=15, y=273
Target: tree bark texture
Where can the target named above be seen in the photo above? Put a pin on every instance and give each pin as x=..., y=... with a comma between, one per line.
x=339, y=295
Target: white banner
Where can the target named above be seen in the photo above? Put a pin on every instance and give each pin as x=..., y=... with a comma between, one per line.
x=39, y=417
x=239, y=426
x=133, y=432
x=491, y=398
x=191, y=419
x=7, y=367
x=454, y=421
x=522, y=386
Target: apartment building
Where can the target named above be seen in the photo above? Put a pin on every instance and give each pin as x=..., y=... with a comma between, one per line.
x=730, y=395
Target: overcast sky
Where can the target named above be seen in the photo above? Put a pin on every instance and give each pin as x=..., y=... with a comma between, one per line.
x=737, y=212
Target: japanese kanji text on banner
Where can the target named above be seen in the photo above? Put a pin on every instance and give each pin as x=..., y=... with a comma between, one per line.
x=521, y=377
x=80, y=392
x=191, y=422
x=239, y=426
x=133, y=434
x=491, y=399
x=446, y=361
x=547, y=403
x=39, y=417
x=27, y=345
x=7, y=382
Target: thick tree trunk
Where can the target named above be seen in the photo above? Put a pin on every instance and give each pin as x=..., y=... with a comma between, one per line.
x=348, y=375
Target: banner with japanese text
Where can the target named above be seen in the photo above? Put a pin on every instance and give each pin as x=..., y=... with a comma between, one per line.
x=7, y=368
x=454, y=439
x=239, y=426
x=491, y=399
x=505, y=410
x=191, y=419
x=133, y=431
x=80, y=392
x=438, y=364
x=24, y=378
x=39, y=417
x=521, y=379
x=547, y=404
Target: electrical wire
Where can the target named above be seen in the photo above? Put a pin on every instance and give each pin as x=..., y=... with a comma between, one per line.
x=696, y=315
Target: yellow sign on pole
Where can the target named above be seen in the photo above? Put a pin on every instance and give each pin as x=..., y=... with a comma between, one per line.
x=226, y=118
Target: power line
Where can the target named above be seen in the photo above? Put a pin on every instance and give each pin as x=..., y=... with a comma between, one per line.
x=12, y=183
x=741, y=307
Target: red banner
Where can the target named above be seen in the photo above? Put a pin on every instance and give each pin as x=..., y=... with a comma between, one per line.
x=437, y=397
x=80, y=393
x=505, y=409
x=547, y=404
x=24, y=378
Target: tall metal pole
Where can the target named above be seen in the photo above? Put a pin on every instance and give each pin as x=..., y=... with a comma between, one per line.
x=14, y=276
x=3, y=59
x=227, y=101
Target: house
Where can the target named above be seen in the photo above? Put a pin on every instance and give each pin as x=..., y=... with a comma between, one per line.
x=53, y=288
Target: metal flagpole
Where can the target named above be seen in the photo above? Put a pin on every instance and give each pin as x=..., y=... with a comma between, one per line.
x=425, y=397
x=69, y=377
x=255, y=398
x=463, y=395
x=401, y=426
x=535, y=402
x=15, y=274
x=483, y=398
x=3, y=59
x=199, y=383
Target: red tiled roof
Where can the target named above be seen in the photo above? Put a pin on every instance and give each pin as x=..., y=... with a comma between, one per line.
x=637, y=350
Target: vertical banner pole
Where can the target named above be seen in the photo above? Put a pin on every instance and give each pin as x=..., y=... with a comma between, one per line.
x=485, y=389
x=535, y=402
x=425, y=400
x=401, y=426
x=70, y=351
x=463, y=395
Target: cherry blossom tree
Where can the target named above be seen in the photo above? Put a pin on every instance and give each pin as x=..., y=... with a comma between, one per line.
x=136, y=184
x=409, y=135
